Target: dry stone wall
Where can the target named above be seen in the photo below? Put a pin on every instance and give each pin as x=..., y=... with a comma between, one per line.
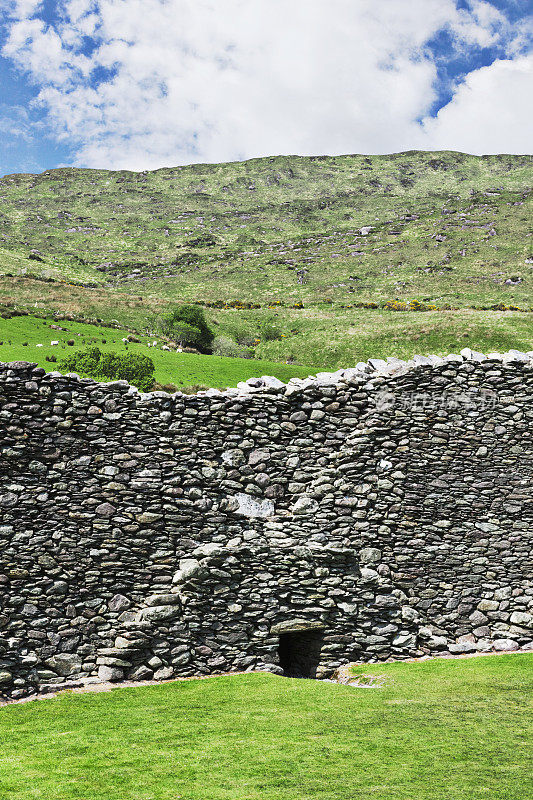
x=379, y=512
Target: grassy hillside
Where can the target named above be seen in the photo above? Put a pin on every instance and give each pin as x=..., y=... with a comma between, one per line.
x=335, y=235
x=451, y=729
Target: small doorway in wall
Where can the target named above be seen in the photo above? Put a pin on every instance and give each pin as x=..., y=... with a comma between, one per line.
x=299, y=653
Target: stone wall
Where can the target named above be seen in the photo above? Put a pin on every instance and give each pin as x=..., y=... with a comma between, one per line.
x=386, y=510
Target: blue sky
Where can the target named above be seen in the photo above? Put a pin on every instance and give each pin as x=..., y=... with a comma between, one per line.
x=138, y=84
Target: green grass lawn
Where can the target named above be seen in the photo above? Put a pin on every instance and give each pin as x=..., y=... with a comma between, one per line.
x=437, y=730
x=20, y=336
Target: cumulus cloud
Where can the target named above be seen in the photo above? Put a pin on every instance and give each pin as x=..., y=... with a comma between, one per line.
x=493, y=107
x=138, y=84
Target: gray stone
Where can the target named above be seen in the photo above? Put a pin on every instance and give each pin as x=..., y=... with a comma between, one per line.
x=410, y=614
x=189, y=568
x=65, y=664
x=522, y=618
x=477, y=618
x=461, y=647
x=505, y=644
x=162, y=600
x=158, y=613
x=304, y=506
x=250, y=507
x=118, y=603
x=270, y=509
x=111, y=674
x=164, y=674
x=369, y=555
x=488, y=605
x=105, y=510
x=141, y=673
x=293, y=625
x=386, y=601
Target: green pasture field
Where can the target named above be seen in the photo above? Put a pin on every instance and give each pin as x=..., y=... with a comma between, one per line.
x=322, y=338
x=180, y=369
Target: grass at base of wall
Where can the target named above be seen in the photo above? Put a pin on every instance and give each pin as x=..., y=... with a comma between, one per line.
x=454, y=729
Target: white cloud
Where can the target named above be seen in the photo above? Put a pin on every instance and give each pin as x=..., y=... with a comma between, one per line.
x=491, y=111
x=15, y=124
x=176, y=81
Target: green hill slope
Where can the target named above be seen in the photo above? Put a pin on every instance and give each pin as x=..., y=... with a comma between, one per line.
x=446, y=230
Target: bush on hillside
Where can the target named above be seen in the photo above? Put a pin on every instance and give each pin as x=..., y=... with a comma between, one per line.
x=85, y=361
x=132, y=367
x=186, y=335
x=172, y=324
x=137, y=369
x=224, y=346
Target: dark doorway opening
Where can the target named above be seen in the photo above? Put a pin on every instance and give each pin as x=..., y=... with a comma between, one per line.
x=299, y=653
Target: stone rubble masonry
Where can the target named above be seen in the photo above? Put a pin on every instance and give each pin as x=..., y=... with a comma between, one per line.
x=153, y=535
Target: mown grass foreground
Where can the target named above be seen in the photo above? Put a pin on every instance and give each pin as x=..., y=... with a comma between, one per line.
x=443, y=729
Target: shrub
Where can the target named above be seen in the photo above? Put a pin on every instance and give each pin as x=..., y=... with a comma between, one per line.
x=132, y=367
x=109, y=364
x=83, y=361
x=137, y=369
x=246, y=339
x=224, y=346
x=193, y=317
x=186, y=335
